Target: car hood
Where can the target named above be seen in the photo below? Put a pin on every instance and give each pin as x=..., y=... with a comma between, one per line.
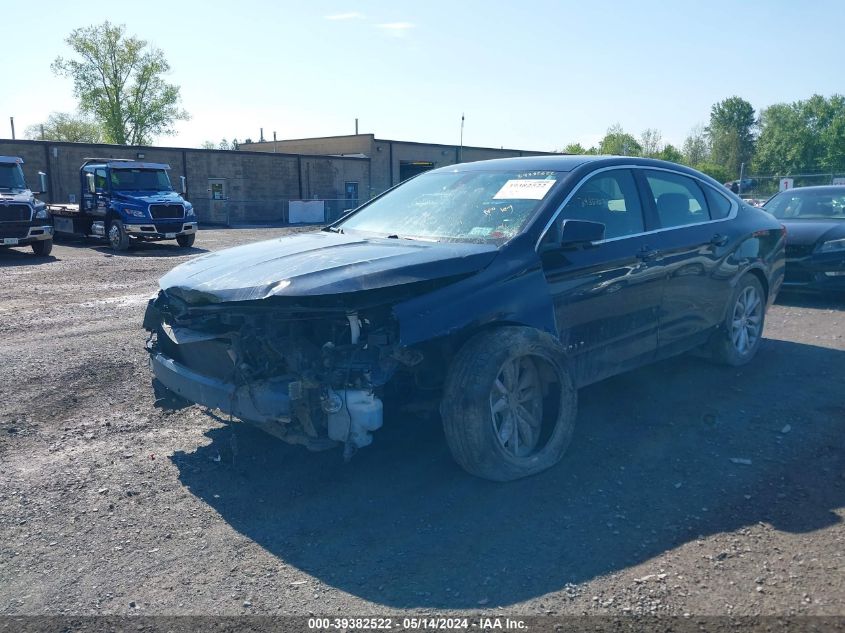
x=148, y=197
x=18, y=197
x=319, y=263
x=809, y=232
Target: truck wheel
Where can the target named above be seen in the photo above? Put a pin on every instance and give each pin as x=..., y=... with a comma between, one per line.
x=186, y=241
x=42, y=248
x=738, y=338
x=118, y=239
x=509, y=404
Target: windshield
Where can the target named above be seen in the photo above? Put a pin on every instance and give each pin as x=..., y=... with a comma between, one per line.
x=474, y=206
x=11, y=176
x=807, y=205
x=140, y=180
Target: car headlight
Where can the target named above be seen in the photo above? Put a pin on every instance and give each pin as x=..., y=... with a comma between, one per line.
x=138, y=213
x=189, y=211
x=832, y=246
x=41, y=213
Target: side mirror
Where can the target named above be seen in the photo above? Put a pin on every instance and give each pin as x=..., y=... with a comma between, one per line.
x=42, y=182
x=183, y=185
x=92, y=187
x=580, y=232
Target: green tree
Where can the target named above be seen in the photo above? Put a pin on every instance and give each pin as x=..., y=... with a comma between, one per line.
x=651, y=141
x=696, y=148
x=731, y=133
x=717, y=172
x=61, y=126
x=118, y=80
x=805, y=136
x=208, y=145
x=619, y=143
x=574, y=148
x=671, y=153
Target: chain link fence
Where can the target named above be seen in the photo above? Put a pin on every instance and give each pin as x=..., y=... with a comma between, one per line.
x=760, y=188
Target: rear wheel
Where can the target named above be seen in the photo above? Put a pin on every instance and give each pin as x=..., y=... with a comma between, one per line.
x=118, y=239
x=42, y=248
x=186, y=241
x=509, y=405
x=737, y=341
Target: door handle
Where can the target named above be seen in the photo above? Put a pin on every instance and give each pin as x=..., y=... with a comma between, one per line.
x=719, y=240
x=647, y=254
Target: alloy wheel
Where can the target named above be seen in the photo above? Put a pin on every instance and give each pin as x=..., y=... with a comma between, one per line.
x=516, y=406
x=746, y=320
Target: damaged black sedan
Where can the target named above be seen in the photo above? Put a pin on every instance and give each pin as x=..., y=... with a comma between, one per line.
x=495, y=288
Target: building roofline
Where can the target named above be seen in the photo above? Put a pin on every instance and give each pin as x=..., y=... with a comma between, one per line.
x=388, y=140
x=141, y=148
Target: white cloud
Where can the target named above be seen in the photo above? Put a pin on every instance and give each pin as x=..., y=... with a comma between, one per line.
x=396, y=29
x=352, y=15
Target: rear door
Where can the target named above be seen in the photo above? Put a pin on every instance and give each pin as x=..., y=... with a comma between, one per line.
x=694, y=241
x=606, y=296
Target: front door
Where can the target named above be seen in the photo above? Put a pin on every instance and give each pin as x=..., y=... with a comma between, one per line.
x=606, y=296
x=218, y=209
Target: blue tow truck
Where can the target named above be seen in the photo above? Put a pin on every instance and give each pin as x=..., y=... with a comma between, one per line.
x=124, y=201
x=24, y=219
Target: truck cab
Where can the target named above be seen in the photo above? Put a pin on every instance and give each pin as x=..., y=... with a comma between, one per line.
x=123, y=201
x=23, y=218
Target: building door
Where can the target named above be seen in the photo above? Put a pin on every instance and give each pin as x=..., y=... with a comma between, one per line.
x=217, y=207
x=351, y=189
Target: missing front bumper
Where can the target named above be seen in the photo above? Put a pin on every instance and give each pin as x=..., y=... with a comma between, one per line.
x=260, y=402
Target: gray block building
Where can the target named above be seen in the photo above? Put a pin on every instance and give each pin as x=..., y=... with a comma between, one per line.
x=257, y=183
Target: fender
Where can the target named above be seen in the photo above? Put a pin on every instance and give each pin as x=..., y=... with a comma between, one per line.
x=503, y=292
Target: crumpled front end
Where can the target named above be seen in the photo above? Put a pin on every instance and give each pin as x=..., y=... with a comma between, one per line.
x=308, y=374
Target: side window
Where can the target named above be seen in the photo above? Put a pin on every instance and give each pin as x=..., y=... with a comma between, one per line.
x=610, y=198
x=100, y=179
x=720, y=206
x=679, y=200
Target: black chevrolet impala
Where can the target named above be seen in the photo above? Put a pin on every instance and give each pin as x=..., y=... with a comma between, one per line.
x=814, y=218
x=495, y=289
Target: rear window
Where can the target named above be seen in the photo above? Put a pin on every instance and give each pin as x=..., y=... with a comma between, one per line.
x=679, y=200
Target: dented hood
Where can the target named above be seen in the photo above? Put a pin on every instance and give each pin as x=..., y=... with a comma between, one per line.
x=319, y=263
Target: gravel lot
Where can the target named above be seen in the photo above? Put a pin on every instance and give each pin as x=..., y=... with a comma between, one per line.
x=689, y=488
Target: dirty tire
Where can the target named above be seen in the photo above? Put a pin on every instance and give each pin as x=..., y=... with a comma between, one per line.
x=117, y=237
x=186, y=241
x=42, y=248
x=726, y=347
x=467, y=406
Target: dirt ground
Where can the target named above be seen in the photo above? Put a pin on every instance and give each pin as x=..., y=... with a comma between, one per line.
x=689, y=488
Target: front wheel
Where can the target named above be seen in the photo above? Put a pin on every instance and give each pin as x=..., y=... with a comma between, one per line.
x=186, y=241
x=509, y=404
x=736, y=342
x=42, y=248
x=118, y=239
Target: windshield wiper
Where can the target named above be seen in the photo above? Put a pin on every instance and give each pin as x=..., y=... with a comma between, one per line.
x=333, y=229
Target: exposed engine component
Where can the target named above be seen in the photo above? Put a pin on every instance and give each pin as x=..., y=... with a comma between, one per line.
x=308, y=377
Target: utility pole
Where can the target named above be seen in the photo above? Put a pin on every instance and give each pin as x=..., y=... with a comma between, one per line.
x=261, y=135
x=274, y=141
x=741, y=172
x=12, y=120
x=356, y=126
x=461, y=148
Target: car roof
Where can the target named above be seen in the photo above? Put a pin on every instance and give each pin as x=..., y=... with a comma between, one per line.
x=563, y=163
x=15, y=160
x=816, y=189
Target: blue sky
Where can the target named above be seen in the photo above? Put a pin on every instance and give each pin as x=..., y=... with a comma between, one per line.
x=532, y=75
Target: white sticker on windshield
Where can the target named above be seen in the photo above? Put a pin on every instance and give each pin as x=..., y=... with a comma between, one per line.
x=524, y=189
